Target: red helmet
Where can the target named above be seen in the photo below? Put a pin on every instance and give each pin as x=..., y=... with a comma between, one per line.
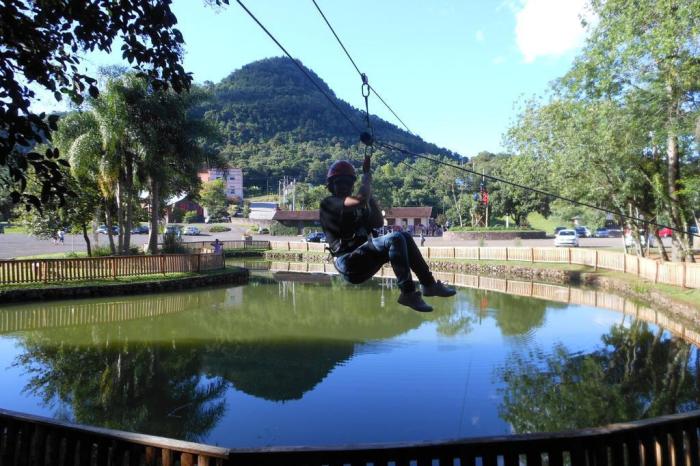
x=341, y=168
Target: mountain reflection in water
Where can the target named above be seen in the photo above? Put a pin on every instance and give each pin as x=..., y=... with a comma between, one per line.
x=168, y=364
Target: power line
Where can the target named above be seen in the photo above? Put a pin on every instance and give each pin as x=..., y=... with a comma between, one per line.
x=527, y=188
x=356, y=67
x=301, y=68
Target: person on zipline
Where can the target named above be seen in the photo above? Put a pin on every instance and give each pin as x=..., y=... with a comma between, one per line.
x=348, y=221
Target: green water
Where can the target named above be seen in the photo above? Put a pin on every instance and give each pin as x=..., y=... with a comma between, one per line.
x=315, y=362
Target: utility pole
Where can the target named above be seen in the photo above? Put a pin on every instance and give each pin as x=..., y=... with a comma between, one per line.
x=294, y=194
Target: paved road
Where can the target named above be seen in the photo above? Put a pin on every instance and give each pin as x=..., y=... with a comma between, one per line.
x=17, y=244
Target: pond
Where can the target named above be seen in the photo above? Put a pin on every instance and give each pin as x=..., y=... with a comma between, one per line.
x=306, y=360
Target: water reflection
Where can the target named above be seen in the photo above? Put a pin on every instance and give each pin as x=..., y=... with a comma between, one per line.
x=291, y=348
x=637, y=373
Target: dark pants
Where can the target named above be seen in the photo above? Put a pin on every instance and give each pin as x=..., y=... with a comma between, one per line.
x=398, y=248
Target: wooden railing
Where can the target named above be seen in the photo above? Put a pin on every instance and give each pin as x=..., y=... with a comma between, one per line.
x=33, y=440
x=671, y=273
x=666, y=440
x=94, y=268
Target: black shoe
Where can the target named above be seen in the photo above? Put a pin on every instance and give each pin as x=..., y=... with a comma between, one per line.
x=414, y=300
x=438, y=289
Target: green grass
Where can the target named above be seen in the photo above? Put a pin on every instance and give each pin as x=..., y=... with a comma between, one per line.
x=266, y=198
x=689, y=296
x=538, y=222
x=111, y=281
x=55, y=255
x=15, y=229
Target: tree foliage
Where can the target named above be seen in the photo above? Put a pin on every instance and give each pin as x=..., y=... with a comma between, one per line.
x=40, y=47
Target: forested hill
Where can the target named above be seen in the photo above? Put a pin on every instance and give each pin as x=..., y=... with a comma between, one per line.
x=275, y=122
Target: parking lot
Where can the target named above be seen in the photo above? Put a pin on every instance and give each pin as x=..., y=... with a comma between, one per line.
x=17, y=244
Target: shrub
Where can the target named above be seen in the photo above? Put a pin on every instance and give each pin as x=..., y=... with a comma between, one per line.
x=172, y=244
x=177, y=215
x=218, y=229
x=192, y=217
x=101, y=251
x=277, y=229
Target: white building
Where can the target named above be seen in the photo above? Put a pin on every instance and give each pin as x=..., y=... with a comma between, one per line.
x=263, y=210
x=232, y=177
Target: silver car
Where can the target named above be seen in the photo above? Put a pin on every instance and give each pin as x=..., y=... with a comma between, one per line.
x=566, y=238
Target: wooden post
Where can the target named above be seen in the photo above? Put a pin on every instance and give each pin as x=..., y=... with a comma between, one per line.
x=685, y=272
x=532, y=255
x=114, y=268
x=506, y=253
x=569, y=255
x=624, y=263
x=595, y=260
x=656, y=272
x=162, y=264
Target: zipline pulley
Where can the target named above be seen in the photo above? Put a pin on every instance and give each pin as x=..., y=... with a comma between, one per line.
x=367, y=137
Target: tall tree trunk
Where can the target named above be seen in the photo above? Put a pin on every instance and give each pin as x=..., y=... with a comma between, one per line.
x=110, y=223
x=86, y=237
x=129, y=182
x=155, y=216
x=662, y=248
x=120, y=214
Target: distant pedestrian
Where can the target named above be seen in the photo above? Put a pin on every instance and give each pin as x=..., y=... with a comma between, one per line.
x=218, y=246
x=61, y=236
x=422, y=238
x=54, y=238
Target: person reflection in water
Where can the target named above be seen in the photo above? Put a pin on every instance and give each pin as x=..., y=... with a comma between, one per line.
x=348, y=221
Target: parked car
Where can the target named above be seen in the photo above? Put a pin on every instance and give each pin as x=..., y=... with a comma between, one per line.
x=190, y=230
x=566, y=238
x=103, y=229
x=583, y=232
x=558, y=229
x=665, y=232
x=316, y=237
x=615, y=233
x=139, y=230
x=602, y=232
x=173, y=230
x=264, y=231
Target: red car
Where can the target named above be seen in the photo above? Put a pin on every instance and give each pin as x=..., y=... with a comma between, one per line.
x=665, y=232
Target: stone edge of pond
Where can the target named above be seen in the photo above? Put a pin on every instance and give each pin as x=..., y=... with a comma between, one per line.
x=556, y=276
x=237, y=275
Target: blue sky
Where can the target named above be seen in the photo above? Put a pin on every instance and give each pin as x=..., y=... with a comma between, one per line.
x=452, y=70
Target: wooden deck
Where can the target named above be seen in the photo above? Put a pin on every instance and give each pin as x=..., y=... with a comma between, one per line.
x=668, y=440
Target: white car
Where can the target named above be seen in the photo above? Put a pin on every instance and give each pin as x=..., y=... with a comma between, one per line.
x=193, y=231
x=566, y=238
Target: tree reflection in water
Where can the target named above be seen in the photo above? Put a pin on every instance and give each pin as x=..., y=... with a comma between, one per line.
x=168, y=375
x=636, y=374
x=135, y=387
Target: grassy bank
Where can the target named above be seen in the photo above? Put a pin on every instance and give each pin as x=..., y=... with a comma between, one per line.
x=112, y=281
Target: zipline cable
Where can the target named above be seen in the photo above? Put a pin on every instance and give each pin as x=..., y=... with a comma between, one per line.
x=527, y=188
x=362, y=75
x=301, y=68
x=414, y=154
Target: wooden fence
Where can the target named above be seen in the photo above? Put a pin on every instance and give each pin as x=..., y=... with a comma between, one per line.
x=671, y=273
x=229, y=244
x=93, y=268
x=666, y=440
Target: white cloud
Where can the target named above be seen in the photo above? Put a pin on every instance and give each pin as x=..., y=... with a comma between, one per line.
x=549, y=27
x=497, y=60
x=480, y=36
